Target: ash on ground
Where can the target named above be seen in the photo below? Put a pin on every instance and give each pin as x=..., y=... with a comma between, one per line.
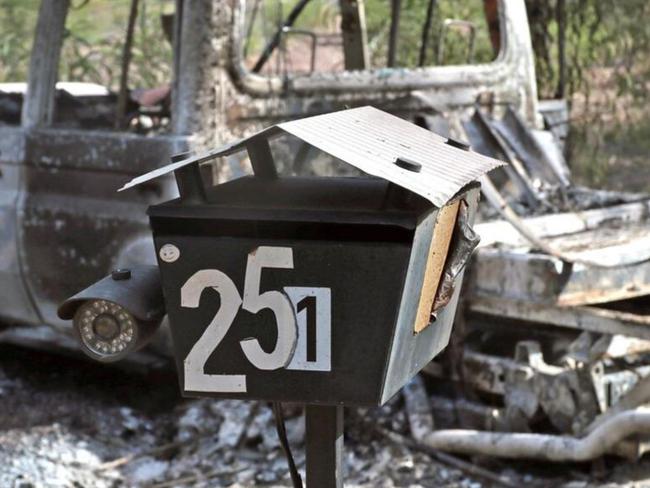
x=68, y=422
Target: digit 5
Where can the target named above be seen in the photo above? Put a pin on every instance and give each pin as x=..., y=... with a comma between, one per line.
x=254, y=301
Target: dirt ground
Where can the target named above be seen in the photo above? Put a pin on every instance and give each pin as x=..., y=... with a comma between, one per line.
x=68, y=422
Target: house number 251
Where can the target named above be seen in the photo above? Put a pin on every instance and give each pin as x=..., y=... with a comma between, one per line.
x=302, y=316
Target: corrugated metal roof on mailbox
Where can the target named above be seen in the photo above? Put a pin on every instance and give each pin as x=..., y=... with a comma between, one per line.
x=371, y=140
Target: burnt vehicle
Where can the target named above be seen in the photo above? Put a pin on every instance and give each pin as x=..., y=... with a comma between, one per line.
x=554, y=328
x=63, y=224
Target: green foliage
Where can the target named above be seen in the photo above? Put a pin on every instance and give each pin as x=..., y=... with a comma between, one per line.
x=607, y=73
x=17, y=23
x=607, y=66
x=413, y=14
x=322, y=16
x=95, y=34
x=613, y=156
x=93, y=42
x=599, y=33
x=610, y=33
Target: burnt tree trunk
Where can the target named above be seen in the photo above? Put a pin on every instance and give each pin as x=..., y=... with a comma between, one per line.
x=355, y=37
x=127, y=49
x=560, y=13
x=200, y=84
x=396, y=6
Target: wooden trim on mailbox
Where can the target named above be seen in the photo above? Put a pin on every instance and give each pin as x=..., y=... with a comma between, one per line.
x=442, y=234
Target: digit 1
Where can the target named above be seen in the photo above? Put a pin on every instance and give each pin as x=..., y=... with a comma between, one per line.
x=309, y=303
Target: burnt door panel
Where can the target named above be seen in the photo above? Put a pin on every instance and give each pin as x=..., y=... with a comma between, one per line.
x=75, y=226
x=15, y=303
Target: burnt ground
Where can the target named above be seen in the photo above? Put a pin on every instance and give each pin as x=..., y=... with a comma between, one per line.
x=68, y=422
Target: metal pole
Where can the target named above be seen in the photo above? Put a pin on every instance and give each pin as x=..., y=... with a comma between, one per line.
x=324, y=432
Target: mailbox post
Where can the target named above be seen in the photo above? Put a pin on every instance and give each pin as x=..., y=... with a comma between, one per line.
x=324, y=291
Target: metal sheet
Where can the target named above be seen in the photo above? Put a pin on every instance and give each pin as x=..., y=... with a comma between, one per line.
x=371, y=140
x=593, y=319
x=225, y=150
x=514, y=130
x=411, y=352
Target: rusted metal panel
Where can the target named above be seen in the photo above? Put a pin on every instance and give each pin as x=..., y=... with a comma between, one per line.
x=488, y=373
x=502, y=233
x=608, y=245
x=38, y=108
x=486, y=140
x=483, y=372
x=15, y=302
x=517, y=276
x=505, y=266
x=515, y=132
x=72, y=227
x=556, y=117
x=591, y=319
x=541, y=278
x=116, y=152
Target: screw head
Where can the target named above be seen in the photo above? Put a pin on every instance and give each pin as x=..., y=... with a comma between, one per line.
x=121, y=274
x=408, y=164
x=458, y=144
x=181, y=156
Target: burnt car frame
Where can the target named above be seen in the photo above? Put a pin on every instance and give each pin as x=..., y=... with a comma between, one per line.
x=63, y=225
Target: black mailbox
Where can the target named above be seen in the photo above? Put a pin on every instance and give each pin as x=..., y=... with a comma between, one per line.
x=326, y=290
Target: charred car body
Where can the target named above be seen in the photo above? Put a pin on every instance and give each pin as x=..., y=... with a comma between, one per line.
x=548, y=316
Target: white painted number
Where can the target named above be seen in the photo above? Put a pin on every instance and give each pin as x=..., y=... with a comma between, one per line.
x=269, y=257
x=195, y=378
x=302, y=315
x=313, y=316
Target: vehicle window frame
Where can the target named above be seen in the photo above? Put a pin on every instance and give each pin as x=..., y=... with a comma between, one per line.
x=397, y=79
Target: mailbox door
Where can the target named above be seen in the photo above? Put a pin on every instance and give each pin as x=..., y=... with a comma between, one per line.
x=413, y=347
x=227, y=295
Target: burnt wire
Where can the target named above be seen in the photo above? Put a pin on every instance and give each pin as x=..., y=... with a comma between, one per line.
x=284, y=442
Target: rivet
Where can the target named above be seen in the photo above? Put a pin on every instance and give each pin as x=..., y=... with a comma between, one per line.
x=121, y=274
x=182, y=156
x=458, y=144
x=409, y=165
